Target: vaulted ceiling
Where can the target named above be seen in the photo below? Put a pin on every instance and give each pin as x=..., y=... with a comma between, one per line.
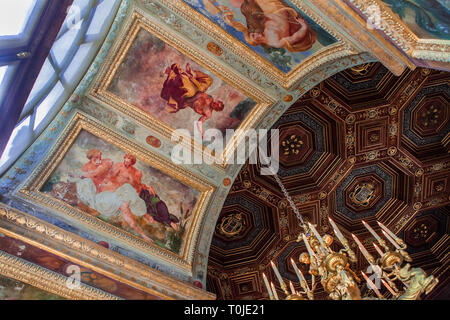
x=356, y=94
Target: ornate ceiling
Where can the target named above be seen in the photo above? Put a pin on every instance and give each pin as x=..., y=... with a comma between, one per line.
x=362, y=111
x=345, y=153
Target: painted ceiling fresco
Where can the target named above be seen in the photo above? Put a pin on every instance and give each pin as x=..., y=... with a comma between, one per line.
x=135, y=207
x=174, y=89
x=426, y=18
x=99, y=188
x=274, y=29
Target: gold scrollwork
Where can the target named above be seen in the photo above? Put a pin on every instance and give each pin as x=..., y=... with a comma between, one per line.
x=362, y=69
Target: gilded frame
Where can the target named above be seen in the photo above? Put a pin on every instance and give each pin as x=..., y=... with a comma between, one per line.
x=138, y=20
x=39, y=277
x=30, y=189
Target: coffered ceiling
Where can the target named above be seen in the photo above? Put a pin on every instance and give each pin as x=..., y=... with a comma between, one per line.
x=346, y=152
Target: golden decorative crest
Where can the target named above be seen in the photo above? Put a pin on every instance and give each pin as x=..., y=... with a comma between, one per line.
x=362, y=194
x=231, y=225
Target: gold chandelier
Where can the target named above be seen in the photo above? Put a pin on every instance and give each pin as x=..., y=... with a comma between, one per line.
x=391, y=268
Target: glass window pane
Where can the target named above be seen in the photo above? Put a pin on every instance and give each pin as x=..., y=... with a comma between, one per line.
x=72, y=66
x=3, y=86
x=6, y=74
x=2, y=73
x=100, y=21
x=45, y=75
x=73, y=70
x=48, y=103
x=17, y=142
x=14, y=16
x=81, y=4
x=62, y=46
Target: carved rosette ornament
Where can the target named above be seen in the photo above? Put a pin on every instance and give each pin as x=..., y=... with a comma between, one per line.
x=291, y=145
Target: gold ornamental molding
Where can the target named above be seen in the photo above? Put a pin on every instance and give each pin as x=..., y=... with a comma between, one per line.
x=140, y=20
x=430, y=50
x=22, y=226
x=288, y=80
x=49, y=281
x=30, y=190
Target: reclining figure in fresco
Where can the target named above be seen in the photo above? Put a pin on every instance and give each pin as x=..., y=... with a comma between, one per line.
x=113, y=191
x=269, y=23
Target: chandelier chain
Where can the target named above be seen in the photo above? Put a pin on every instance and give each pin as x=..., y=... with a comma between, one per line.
x=288, y=197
